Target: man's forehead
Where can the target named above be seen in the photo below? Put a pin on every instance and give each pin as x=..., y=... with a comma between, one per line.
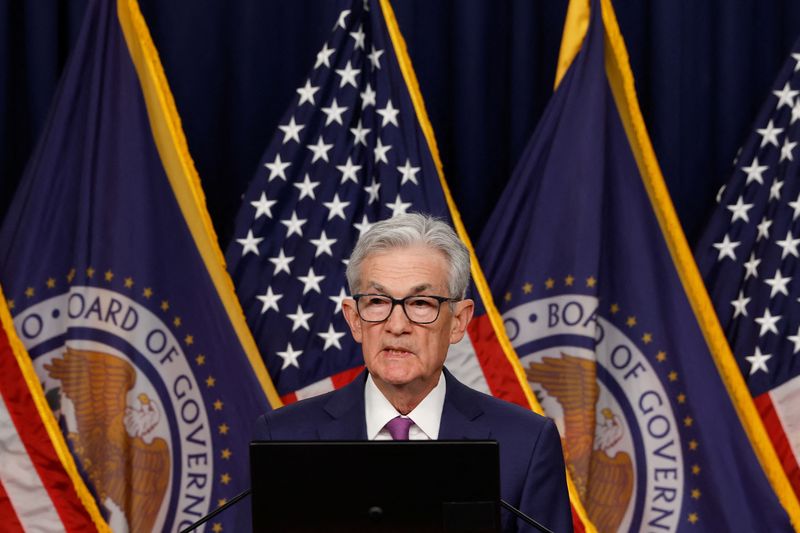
x=410, y=269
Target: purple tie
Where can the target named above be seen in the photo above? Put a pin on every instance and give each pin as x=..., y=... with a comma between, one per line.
x=398, y=427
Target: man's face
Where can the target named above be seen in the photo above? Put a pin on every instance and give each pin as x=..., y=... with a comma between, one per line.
x=397, y=351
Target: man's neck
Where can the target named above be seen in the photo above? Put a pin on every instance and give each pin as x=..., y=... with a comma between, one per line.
x=405, y=398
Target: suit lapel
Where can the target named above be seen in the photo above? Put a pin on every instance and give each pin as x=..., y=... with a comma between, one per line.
x=462, y=415
x=346, y=409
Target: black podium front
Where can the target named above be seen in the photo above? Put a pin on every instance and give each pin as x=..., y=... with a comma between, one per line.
x=381, y=486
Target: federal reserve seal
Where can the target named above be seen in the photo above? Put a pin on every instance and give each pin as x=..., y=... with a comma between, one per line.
x=128, y=402
x=613, y=407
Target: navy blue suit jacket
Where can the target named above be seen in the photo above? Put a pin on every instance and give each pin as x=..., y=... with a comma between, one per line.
x=532, y=475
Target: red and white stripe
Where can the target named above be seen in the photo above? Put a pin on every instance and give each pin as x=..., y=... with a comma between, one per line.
x=337, y=381
x=36, y=493
x=780, y=411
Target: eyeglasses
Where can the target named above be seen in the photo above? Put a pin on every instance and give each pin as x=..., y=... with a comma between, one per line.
x=418, y=309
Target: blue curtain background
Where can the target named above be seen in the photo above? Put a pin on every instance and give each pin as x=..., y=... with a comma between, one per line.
x=485, y=68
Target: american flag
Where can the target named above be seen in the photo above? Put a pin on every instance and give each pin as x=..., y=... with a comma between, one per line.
x=354, y=147
x=749, y=258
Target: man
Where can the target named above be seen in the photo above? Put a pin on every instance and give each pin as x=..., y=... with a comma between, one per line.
x=408, y=277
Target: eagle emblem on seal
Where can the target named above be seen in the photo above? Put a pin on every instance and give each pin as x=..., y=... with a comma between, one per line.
x=604, y=482
x=110, y=438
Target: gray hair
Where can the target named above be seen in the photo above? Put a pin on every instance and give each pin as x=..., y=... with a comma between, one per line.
x=409, y=230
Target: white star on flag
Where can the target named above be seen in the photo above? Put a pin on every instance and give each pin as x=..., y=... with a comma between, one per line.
x=269, y=300
x=349, y=171
x=372, y=191
x=769, y=134
x=758, y=361
x=778, y=284
x=795, y=339
x=300, y=318
x=726, y=248
x=399, y=207
x=739, y=210
x=389, y=114
x=363, y=226
x=348, y=75
x=331, y=338
x=333, y=113
x=368, y=97
x=788, y=245
x=358, y=36
x=339, y=299
x=336, y=207
x=320, y=150
x=374, y=57
x=360, y=133
x=751, y=266
x=323, y=56
x=294, y=225
x=786, y=150
x=290, y=356
x=768, y=323
x=740, y=305
x=291, y=131
x=342, y=18
x=281, y=263
x=795, y=205
x=263, y=206
x=775, y=190
x=408, y=172
x=277, y=168
x=381, y=151
x=311, y=281
x=306, y=188
x=250, y=243
x=763, y=229
x=785, y=96
x=306, y=93
x=323, y=245
x=755, y=172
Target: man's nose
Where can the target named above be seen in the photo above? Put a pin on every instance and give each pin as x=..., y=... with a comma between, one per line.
x=398, y=321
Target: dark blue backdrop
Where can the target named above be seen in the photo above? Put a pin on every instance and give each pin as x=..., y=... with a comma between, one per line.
x=485, y=68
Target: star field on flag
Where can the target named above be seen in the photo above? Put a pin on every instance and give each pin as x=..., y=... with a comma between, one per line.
x=749, y=257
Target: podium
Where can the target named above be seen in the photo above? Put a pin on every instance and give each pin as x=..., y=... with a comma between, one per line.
x=380, y=486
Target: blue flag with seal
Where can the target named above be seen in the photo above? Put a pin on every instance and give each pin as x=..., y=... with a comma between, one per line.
x=119, y=292
x=607, y=312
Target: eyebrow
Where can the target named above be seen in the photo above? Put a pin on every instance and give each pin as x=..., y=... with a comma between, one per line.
x=414, y=290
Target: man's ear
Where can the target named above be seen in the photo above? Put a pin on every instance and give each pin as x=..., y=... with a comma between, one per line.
x=351, y=316
x=461, y=317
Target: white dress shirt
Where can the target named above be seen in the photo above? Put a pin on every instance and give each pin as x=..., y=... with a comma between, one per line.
x=427, y=416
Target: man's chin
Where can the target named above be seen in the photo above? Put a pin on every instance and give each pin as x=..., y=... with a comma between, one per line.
x=396, y=373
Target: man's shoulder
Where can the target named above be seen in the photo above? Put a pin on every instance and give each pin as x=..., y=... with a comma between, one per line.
x=302, y=407
x=293, y=420
x=302, y=419
x=499, y=410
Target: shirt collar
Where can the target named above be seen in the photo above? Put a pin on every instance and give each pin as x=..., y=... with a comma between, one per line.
x=427, y=415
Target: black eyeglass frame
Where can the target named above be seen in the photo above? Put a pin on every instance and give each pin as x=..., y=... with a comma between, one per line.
x=402, y=303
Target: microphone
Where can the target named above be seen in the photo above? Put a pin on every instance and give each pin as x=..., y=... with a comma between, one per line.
x=218, y=510
x=233, y=501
